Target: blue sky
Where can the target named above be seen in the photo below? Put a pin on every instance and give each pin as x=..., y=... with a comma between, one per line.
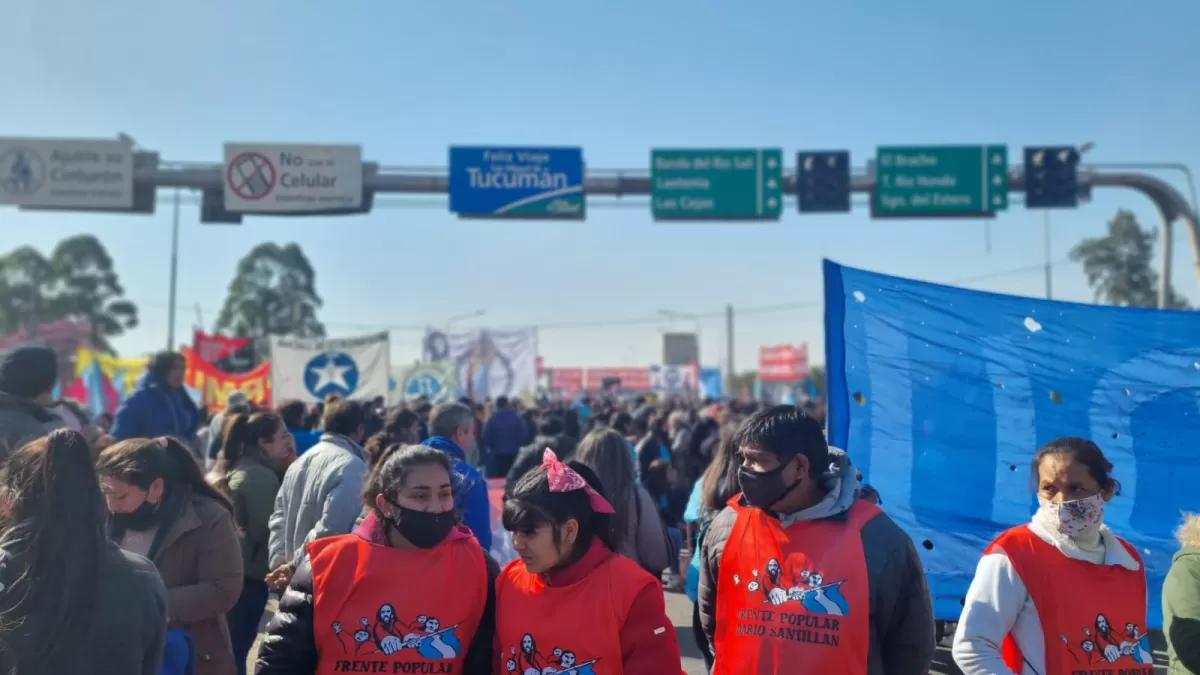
x=407, y=79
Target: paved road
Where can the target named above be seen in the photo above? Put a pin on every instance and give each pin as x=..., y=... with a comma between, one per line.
x=679, y=610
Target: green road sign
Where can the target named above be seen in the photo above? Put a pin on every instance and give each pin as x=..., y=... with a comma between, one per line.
x=940, y=180
x=716, y=184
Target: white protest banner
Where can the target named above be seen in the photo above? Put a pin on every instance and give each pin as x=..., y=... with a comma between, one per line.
x=310, y=369
x=488, y=363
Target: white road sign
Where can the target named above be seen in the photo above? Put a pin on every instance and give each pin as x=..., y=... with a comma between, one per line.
x=276, y=178
x=53, y=172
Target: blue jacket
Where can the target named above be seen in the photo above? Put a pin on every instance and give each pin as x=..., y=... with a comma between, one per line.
x=470, y=491
x=504, y=433
x=305, y=438
x=153, y=410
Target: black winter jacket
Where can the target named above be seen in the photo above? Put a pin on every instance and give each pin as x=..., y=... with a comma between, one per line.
x=289, y=647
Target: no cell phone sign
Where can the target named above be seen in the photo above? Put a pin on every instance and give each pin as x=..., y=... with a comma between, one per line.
x=250, y=175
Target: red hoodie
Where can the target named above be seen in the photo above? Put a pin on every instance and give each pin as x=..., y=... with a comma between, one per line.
x=646, y=648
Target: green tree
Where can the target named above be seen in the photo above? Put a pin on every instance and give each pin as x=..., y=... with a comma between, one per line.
x=77, y=281
x=28, y=297
x=1119, y=265
x=273, y=292
x=88, y=288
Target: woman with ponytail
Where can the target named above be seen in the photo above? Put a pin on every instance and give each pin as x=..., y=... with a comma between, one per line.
x=570, y=604
x=255, y=451
x=163, y=508
x=70, y=602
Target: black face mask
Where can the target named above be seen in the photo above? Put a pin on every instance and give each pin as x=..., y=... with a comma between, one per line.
x=140, y=519
x=424, y=529
x=764, y=488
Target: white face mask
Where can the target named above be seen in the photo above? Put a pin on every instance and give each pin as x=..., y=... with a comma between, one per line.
x=1077, y=518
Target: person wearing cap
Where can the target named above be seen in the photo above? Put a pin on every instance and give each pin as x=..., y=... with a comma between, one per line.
x=27, y=377
x=159, y=405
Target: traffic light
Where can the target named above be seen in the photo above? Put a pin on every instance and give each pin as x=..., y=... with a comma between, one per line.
x=823, y=181
x=1051, y=177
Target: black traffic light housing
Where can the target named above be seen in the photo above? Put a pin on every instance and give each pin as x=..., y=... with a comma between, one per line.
x=1052, y=177
x=823, y=181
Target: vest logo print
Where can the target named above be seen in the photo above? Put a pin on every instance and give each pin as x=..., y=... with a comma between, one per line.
x=800, y=605
x=806, y=587
x=1102, y=644
x=389, y=635
x=529, y=660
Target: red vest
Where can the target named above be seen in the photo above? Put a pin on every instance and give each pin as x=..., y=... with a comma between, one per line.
x=378, y=609
x=575, y=629
x=793, y=600
x=1093, y=616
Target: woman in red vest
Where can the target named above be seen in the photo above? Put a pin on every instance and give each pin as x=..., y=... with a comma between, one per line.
x=570, y=605
x=1062, y=593
x=409, y=591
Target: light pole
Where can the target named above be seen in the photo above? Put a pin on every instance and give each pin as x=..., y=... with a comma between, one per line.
x=463, y=317
x=674, y=316
x=174, y=275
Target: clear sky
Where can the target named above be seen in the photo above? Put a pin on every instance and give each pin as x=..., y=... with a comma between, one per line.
x=407, y=79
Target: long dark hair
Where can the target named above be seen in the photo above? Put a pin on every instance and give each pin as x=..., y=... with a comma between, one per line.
x=393, y=466
x=376, y=446
x=141, y=461
x=719, y=483
x=242, y=432
x=53, y=531
x=607, y=453
x=531, y=504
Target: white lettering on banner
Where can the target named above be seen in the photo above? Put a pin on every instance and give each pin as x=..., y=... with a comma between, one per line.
x=1016, y=428
x=1113, y=404
x=274, y=178
x=64, y=173
x=891, y=446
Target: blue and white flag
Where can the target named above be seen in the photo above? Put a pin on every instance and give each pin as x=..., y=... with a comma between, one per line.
x=942, y=395
x=309, y=370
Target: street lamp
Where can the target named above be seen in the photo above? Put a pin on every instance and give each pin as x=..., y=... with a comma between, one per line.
x=463, y=317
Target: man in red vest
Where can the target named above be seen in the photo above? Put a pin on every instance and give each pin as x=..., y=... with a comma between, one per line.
x=799, y=576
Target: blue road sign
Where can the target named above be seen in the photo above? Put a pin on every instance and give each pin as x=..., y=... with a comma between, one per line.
x=507, y=182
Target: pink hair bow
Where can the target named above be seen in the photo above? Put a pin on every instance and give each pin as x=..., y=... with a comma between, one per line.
x=565, y=479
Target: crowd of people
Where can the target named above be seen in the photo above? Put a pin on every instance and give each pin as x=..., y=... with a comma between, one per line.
x=152, y=541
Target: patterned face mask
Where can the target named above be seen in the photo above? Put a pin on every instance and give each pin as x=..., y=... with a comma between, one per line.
x=1071, y=519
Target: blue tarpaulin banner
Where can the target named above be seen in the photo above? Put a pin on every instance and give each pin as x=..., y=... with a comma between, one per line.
x=941, y=395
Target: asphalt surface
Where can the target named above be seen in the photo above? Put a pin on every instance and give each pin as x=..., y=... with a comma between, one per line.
x=679, y=610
